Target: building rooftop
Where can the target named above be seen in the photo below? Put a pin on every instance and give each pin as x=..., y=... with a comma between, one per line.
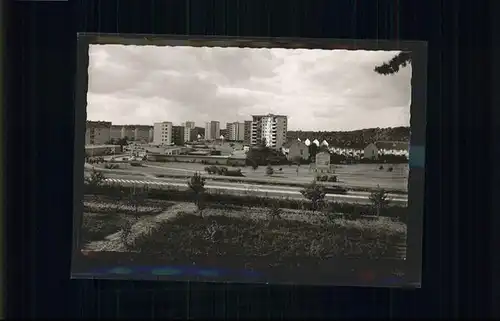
x=269, y=115
x=132, y=126
x=101, y=146
x=98, y=124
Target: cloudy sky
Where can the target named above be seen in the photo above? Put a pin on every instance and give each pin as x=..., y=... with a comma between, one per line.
x=316, y=89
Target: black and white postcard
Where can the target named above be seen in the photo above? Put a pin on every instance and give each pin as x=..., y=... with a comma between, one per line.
x=248, y=162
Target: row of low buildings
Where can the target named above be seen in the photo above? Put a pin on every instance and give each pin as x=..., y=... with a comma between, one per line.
x=372, y=151
x=102, y=132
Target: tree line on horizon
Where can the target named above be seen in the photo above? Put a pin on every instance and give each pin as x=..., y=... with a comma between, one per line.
x=354, y=139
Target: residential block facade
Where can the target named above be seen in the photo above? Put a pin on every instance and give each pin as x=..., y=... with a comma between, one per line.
x=97, y=132
x=162, y=133
x=271, y=129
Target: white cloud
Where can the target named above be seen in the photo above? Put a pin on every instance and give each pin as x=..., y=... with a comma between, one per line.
x=317, y=89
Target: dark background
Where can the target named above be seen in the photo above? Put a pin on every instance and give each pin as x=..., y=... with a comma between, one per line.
x=41, y=64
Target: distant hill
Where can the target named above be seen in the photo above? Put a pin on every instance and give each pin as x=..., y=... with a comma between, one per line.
x=356, y=138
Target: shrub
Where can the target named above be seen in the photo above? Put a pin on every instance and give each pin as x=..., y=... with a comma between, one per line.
x=390, y=169
x=220, y=170
x=332, y=179
x=354, y=215
x=269, y=170
x=297, y=160
x=197, y=186
x=322, y=178
x=379, y=200
x=212, y=169
x=126, y=232
x=136, y=164
x=315, y=193
x=381, y=167
x=274, y=211
x=235, y=173
x=96, y=178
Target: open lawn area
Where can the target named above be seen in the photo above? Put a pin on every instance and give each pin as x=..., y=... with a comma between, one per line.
x=356, y=175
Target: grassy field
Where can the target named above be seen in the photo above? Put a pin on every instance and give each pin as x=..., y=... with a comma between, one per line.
x=359, y=175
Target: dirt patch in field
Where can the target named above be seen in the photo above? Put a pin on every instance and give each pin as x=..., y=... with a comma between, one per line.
x=123, y=238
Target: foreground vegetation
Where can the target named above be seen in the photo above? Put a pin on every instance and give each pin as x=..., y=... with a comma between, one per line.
x=260, y=243
x=241, y=232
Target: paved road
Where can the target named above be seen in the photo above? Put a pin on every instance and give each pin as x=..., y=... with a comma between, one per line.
x=252, y=189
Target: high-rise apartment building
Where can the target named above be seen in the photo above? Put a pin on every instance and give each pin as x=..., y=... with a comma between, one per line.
x=235, y=131
x=189, y=124
x=212, y=130
x=128, y=132
x=151, y=134
x=270, y=129
x=247, y=132
x=97, y=132
x=162, y=134
x=187, y=134
x=141, y=133
x=131, y=132
x=181, y=135
x=116, y=132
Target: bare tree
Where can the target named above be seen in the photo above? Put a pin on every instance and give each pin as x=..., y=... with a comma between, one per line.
x=197, y=185
x=315, y=193
x=269, y=170
x=379, y=200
